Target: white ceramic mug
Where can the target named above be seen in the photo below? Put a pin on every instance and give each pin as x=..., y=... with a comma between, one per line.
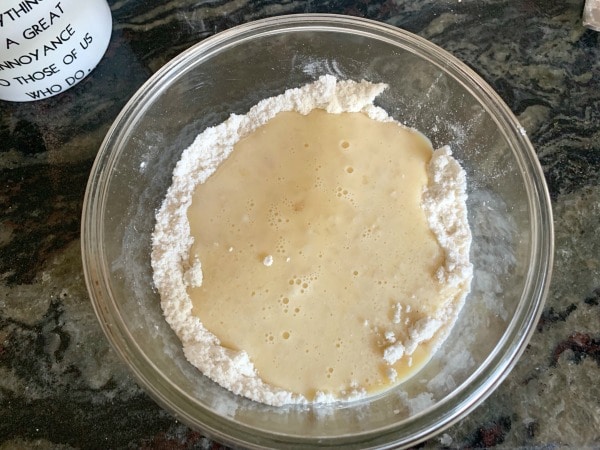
x=48, y=46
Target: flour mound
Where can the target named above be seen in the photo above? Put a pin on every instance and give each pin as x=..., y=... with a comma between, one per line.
x=443, y=202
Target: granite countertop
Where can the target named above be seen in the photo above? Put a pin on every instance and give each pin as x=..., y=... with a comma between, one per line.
x=61, y=385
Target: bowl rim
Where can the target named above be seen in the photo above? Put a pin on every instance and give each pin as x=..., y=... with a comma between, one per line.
x=480, y=384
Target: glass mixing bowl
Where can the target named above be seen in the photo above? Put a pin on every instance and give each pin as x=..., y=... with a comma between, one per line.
x=509, y=212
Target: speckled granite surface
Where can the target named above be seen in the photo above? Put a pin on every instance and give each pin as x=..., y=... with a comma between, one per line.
x=61, y=386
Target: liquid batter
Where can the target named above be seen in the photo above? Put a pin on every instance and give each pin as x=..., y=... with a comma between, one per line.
x=316, y=253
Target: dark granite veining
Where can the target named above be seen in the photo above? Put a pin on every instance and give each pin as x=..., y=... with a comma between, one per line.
x=62, y=387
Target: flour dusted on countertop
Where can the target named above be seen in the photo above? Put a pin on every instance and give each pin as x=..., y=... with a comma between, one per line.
x=177, y=269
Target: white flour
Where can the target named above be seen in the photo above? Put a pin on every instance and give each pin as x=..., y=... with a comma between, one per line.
x=443, y=203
